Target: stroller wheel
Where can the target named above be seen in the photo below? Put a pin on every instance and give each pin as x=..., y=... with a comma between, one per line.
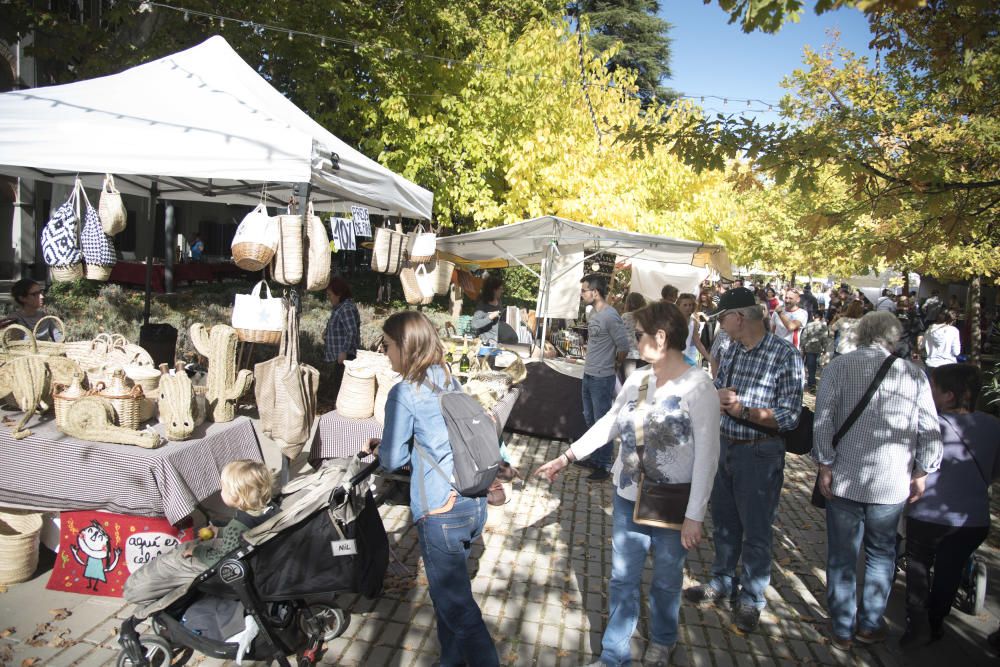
x=157, y=651
x=332, y=619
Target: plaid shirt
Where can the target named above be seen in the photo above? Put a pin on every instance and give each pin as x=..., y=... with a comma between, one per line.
x=768, y=375
x=343, y=331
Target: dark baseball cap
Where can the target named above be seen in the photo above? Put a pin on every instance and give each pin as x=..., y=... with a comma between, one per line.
x=737, y=297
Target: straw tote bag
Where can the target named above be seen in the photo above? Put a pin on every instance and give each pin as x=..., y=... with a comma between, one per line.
x=288, y=261
x=389, y=246
x=256, y=240
x=318, y=262
x=111, y=208
x=386, y=379
x=422, y=246
x=418, y=285
x=286, y=393
x=98, y=247
x=356, y=399
x=441, y=274
x=60, y=242
x=259, y=320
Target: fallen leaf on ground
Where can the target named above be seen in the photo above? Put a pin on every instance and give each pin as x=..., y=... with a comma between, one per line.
x=30, y=662
x=60, y=614
x=8, y=632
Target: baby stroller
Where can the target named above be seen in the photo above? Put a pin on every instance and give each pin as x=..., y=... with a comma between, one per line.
x=326, y=538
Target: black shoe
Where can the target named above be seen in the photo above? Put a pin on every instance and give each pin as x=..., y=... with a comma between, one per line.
x=937, y=630
x=599, y=475
x=705, y=594
x=746, y=617
x=916, y=634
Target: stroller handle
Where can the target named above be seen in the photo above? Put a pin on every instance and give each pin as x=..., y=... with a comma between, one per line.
x=340, y=493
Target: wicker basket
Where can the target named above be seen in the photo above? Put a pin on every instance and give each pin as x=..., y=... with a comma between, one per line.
x=66, y=274
x=124, y=353
x=356, y=399
x=288, y=260
x=127, y=401
x=443, y=270
x=63, y=397
x=388, y=251
x=98, y=272
x=89, y=353
x=252, y=256
x=50, y=347
x=387, y=379
x=259, y=336
x=19, y=531
x=146, y=377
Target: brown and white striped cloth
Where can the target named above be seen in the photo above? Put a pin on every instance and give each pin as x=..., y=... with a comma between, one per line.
x=52, y=471
x=339, y=437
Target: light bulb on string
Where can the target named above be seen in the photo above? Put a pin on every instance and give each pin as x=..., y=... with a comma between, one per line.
x=222, y=23
x=187, y=17
x=290, y=36
x=322, y=42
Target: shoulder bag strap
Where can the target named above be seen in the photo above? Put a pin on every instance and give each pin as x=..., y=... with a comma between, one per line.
x=639, y=419
x=863, y=403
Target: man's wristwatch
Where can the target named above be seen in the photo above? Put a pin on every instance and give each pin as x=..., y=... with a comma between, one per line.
x=745, y=413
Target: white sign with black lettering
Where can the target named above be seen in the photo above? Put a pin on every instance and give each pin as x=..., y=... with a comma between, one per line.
x=362, y=224
x=344, y=548
x=343, y=233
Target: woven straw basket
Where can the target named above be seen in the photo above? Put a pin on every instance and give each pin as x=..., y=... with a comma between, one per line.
x=252, y=256
x=356, y=399
x=19, y=532
x=288, y=260
x=387, y=379
x=89, y=353
x=442, y=276
x=98, y=272
x=259, y=336
x=146, y=377
x=387, y=255
x=127, y=401
x=65, y=274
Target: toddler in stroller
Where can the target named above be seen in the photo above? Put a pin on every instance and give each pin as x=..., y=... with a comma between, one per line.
x=324, y=537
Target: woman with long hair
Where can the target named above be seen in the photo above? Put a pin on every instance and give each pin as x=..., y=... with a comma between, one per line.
x=447, y=523
x=941, y=343
x=843, y=328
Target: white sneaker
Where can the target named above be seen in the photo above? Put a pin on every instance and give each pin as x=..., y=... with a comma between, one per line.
x=657, y=655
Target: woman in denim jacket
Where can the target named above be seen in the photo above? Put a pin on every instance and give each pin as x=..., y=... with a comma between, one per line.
x=446, y=522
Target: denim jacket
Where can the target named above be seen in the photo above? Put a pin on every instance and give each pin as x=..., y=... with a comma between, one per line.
x=413, y=419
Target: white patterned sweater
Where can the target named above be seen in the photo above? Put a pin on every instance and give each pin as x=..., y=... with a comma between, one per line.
x=681, y=427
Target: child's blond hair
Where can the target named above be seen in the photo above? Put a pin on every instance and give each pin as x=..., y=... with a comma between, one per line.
x=249, y=483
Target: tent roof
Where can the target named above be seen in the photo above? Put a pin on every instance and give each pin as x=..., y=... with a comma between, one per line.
x=201, y=123
x=527, y=240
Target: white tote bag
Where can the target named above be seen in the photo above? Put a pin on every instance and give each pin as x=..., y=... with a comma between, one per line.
x=422, y=245
x=256, y=240
x=251, y=312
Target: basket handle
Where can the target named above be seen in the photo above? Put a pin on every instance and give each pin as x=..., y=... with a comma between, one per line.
x=61, y=327
x=255, y=292
x=109, y=184
x=27, y=335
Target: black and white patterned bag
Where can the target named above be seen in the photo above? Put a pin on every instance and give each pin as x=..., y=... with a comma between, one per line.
x=60, y=243
x=98, y=247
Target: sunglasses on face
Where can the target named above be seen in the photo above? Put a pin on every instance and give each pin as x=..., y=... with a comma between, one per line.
x=36, y=293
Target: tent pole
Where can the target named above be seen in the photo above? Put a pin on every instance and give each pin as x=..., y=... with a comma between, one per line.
x=543, y=296
x=302, y=194
x=151, y=221
x=170, y=238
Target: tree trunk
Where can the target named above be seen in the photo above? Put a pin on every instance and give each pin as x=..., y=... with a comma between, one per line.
x=975, y=331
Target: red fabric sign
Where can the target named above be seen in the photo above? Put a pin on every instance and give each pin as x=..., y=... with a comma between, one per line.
x=99, y=550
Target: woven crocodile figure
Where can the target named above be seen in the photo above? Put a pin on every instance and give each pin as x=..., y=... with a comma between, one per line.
x=180, y=411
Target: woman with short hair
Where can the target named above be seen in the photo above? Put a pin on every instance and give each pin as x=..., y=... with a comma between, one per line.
x=342, y=336
x=29, y=295
x=667, y=414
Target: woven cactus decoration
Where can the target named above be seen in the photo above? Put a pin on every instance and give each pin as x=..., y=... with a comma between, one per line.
x=225, y=385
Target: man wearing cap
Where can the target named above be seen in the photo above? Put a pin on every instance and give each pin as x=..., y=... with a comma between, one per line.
x=760, y=388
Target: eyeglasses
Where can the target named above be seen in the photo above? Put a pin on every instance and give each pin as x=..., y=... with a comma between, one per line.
x=36, y=293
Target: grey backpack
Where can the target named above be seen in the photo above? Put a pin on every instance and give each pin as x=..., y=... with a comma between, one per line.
x=475, y=445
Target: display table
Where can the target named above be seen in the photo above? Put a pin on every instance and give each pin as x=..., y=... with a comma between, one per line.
x=134, y=273
x=550, y=404
x=338, y=437
x=49, y=470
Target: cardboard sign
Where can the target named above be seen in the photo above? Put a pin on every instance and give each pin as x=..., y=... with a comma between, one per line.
x=342, y=233
x=362, y=225
x=99, y=550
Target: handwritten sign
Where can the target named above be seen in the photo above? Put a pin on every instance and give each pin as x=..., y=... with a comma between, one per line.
x=140, y=548
x=342, y=233
x=362, y=225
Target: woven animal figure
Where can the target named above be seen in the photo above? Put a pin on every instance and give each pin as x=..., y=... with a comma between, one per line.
x=62, y=369
x=225, y=385
x=93, y=418
x=29, y=380
x=180, y=412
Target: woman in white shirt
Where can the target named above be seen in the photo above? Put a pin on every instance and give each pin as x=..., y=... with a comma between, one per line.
x=942, y=342
x=671, y=412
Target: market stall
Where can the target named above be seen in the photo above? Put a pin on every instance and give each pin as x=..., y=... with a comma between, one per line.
x=52, y=471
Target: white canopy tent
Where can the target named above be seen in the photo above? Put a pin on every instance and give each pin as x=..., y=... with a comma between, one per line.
x=538, y=241
x=196, y=124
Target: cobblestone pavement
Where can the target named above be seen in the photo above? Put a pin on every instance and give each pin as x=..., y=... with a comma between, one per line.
x=541, y=579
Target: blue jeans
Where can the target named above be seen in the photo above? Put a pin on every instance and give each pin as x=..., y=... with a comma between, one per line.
x=847, y=524
x=744, y=505
x=812, y=361
x=445, y=542
x=598, y=395
x=629, y=546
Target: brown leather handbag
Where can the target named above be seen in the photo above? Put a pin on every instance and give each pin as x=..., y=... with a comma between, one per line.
x=656, y=504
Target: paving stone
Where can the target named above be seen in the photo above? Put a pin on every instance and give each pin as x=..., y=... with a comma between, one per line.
x=722, y=658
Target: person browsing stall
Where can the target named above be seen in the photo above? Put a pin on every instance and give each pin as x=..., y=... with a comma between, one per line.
x=447, y=523
x=667, y=416
x=30, y=298
x=342, y=335
x=488, y=316
x=607, y=345
x=788, y=320
x=760, y=383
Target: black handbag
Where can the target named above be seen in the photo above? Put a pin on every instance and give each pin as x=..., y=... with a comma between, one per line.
x=818, y=499
x=656, y=504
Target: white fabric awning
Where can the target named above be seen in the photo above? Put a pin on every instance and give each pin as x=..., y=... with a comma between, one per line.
x=201, y=123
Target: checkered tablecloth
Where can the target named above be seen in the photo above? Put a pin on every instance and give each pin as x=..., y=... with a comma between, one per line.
x=50, y=470
x=339, y=437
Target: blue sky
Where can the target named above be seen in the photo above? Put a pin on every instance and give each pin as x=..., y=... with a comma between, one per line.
x=711, y=57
